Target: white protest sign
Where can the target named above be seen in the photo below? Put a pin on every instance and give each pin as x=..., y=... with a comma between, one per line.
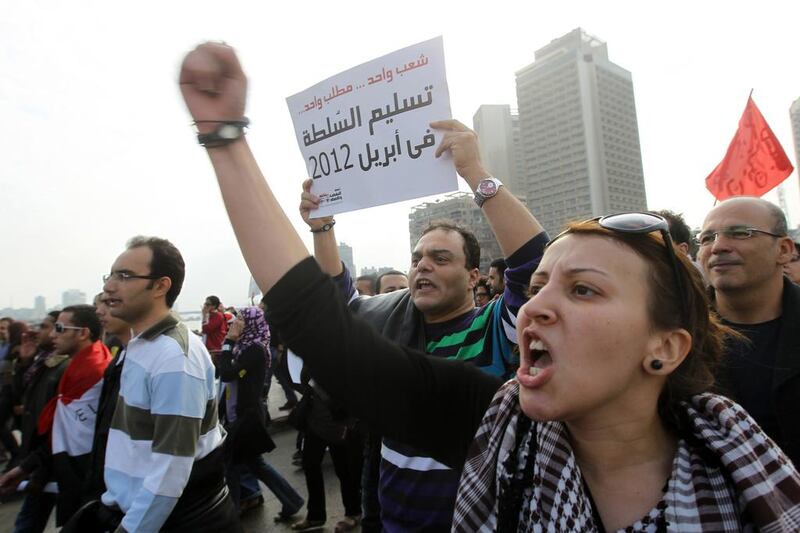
x=365, y=133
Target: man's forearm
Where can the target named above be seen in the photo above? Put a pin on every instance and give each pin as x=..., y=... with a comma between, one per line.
x=270, y=245
x=512, y=223
x=326, y=252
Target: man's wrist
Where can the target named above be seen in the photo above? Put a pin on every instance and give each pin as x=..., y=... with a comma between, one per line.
x=474, y=175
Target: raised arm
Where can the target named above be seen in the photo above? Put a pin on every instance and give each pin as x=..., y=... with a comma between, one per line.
x=215, y=89
x=326, y=250
x=513, y=225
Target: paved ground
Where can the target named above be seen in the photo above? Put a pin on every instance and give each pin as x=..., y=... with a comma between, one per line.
x=259, y=519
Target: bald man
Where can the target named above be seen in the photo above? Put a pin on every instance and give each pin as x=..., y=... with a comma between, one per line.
x=743, y=249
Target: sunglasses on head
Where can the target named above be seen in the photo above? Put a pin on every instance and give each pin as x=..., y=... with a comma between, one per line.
x=641, y=223
x=61, y=328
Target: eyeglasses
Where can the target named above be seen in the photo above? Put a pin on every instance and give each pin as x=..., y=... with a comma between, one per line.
x=125, y=276
x=738, y=233
x=644, y=223
x=61, y=328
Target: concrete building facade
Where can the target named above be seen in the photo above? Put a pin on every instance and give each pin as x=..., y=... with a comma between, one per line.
x=346, y=255
x=578, y=133
x=73, y=297
x=794, y=115
x=494, y=126
x=458, y=207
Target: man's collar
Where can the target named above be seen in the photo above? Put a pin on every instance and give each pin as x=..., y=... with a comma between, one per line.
x=167, y=323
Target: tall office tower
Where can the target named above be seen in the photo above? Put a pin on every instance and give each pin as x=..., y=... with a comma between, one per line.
x=794, y=114
x=519, y=153
x=39, y=307
x=458, y=207
x=578, y=132
x=493, y=124
x=346, y=255
x=73, y=297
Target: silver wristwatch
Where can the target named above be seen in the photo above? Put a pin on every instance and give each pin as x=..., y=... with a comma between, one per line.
x=486, y=189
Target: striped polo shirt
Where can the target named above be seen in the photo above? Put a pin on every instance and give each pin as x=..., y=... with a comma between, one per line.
x=165, y=420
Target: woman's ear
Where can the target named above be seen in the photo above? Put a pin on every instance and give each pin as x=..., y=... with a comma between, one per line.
x=667, y=350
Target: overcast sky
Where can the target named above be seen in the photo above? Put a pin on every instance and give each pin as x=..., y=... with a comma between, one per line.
x=96, y=145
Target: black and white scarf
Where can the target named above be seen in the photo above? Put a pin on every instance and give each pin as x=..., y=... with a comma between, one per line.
x=521, y=475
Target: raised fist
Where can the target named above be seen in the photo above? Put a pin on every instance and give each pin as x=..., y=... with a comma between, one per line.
x=213, y=85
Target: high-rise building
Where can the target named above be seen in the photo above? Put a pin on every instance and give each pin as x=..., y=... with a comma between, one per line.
x=493, y=124
x=346, y=255
x=39, y=307
x=458, y=207
x=578, y=133
x=794, y=114
x=73, y=297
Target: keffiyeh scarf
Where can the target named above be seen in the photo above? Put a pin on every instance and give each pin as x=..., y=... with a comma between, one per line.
x=521, y=475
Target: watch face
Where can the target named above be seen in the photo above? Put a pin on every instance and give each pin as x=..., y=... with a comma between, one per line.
x=229, y=131
x=487, y=188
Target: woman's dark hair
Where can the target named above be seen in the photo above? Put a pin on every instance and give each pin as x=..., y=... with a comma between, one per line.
x=696, y=373
x=16, y=330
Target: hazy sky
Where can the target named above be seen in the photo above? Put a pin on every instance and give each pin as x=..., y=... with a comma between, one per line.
x=97, y=146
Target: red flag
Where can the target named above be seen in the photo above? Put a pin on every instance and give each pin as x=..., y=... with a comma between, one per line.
x=755, y=161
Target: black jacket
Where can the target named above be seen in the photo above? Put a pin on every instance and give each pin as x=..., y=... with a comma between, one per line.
x=95, y=482
x=248, y=434
x=785, y=392
x=786, y=381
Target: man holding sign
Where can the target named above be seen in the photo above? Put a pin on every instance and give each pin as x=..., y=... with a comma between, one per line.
x=437, y=313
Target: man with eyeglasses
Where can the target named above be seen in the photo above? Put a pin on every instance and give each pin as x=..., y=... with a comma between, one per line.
x=164, y=466
x=743, y=249
x=65, y=426
x=483, y=292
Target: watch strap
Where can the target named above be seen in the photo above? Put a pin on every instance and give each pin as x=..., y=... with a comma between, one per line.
x=215, y=139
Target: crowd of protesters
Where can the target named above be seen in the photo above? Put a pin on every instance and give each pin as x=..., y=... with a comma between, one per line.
x=622, y=375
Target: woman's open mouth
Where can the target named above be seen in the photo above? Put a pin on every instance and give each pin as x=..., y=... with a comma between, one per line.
x=536, y=368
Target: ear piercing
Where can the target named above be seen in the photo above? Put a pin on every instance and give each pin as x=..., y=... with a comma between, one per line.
x=656, y=364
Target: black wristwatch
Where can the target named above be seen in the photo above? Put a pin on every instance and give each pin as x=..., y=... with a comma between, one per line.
x=325, y=227
x=226, y=132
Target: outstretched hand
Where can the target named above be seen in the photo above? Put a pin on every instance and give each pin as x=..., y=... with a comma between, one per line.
x=308, y=203
x=213, y=85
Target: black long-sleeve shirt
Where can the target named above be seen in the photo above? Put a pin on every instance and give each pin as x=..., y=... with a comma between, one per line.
x=430, y=403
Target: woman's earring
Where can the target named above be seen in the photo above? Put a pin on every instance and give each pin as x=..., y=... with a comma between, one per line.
x=656, y=364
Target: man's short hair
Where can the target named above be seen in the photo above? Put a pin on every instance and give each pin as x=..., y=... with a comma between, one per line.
x=472, y=250
x=484, y=282
x=54, y=315
x=166, y=262
x=499, y=265
x=387, y=273
x=84, y=316
x=213, y=300
x=370, y=278
x=679, y=230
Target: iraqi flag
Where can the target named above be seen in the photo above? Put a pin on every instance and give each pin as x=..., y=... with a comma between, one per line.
x=70, y=415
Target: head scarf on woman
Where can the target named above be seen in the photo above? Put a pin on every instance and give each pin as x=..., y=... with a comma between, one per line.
x=255, y=331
